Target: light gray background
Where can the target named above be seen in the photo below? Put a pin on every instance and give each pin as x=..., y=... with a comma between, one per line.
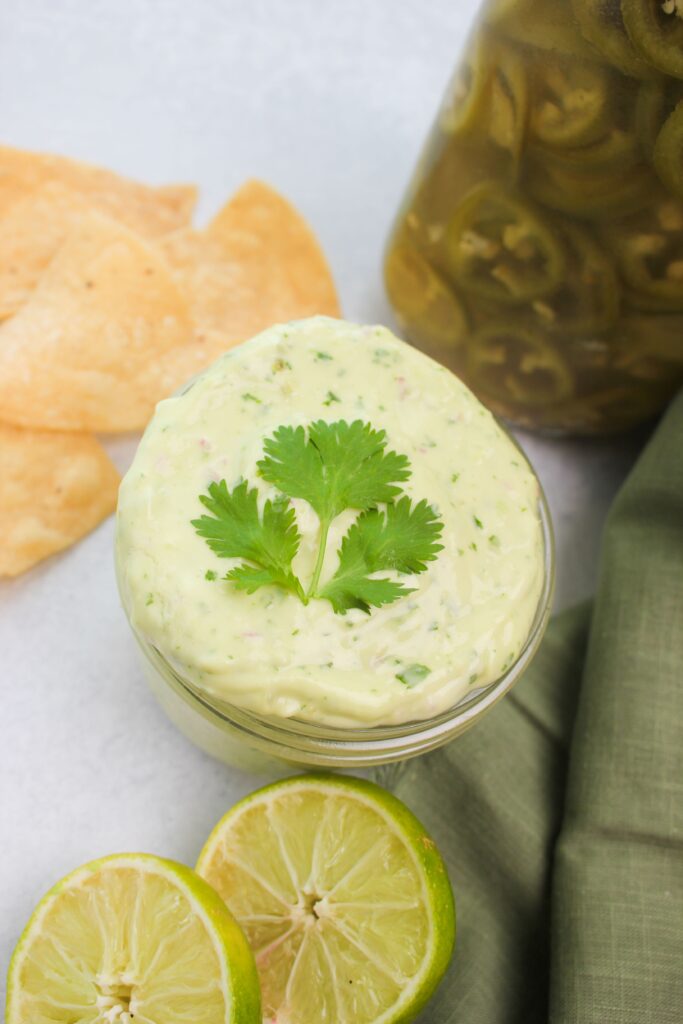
x=330, y=101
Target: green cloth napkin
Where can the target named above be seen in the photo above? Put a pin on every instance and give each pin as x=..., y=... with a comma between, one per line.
x=561, y=814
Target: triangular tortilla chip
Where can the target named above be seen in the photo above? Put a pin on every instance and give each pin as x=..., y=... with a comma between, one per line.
x=263, y=233
x=54, y=488
x=151, y=211
x=86, y=351
x=257, y=263
x=30, y=234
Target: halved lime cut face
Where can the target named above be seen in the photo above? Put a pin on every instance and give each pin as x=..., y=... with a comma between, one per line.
x=132, y=939
x=343, y=896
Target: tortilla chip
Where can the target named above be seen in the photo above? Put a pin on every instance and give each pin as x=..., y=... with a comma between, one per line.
x=86, y=351
x=257, y=263
x=151, y=211
x=54, y=488
x=30, y=234
x=268, y=237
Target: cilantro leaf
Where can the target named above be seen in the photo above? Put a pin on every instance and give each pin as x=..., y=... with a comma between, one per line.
x=413, y=674
x=337, y=466
x=361, y=591
x=250, y=577
x=234, y=529
x=403, y=538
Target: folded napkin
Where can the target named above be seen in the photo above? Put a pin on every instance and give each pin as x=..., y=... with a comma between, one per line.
x=561, y=814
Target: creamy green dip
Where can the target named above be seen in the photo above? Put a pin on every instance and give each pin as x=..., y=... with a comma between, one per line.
x=471, y=611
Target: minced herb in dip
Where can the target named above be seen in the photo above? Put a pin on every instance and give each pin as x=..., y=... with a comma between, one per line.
x=261, y=642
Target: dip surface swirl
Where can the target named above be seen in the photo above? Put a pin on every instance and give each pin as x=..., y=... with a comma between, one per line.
x=471, y=610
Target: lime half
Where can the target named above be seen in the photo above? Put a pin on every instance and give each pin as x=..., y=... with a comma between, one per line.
x=343, y=896
x=132, y=939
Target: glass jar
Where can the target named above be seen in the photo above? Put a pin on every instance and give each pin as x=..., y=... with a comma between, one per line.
x=280, y=745
x=539, y=251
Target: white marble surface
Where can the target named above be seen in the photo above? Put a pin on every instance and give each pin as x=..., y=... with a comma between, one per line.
x=330, y=101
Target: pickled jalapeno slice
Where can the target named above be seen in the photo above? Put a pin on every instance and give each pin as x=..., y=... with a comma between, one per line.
x=499, y=247
x=512, y=364
x=655, y=28
x=668, y=152
x=499, y=10
x=616, y=151
x=601, y=23
x=588, y=297
x=651, y=347
x=552, y=30
x=488, y=95
x=649, y=253
x=649, y=114
x=590, y=193
x=508, y=99
x=466, y=93
x=422, y=297
x=571, y=103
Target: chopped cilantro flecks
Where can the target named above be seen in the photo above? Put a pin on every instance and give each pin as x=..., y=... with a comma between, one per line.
x=331, y=397
x=324, y=356
x=248, y=397
x=508, y=662
x=210, y=575
x=413, y=674
x=455, y=477
x=478, y=522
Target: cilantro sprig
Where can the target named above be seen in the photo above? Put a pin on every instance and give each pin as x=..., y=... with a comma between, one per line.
x=236, y=530
x=337, y=466
x=334, y=467
x=402, y=537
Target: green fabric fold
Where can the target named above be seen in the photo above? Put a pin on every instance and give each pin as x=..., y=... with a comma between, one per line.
x=561, y=814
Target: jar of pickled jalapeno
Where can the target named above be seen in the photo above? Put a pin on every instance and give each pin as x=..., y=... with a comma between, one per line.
x=539, y=251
